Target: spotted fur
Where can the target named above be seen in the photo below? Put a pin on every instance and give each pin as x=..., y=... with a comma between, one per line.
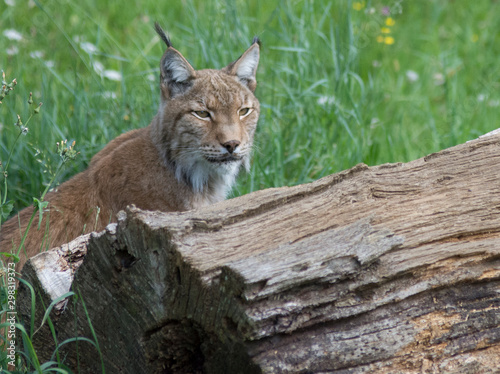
x=182, y=160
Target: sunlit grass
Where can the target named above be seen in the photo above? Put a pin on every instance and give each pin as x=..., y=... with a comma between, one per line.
x=333, y=92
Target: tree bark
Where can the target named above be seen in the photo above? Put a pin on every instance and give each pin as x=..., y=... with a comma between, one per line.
x=386, y=269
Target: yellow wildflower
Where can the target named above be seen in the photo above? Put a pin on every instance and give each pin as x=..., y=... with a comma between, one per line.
x=358, y=5
x=385, y=30
x=474, y=38
x=389, y=40
x=389, y=21
x=380, y=39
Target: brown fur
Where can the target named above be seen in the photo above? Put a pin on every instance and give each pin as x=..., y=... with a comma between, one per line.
x=179, y=162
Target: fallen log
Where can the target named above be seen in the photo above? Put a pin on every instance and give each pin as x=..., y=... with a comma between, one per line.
x=386, y=269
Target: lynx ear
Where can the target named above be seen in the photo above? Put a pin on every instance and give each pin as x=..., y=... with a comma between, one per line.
x=245, y=68
x=176, y=73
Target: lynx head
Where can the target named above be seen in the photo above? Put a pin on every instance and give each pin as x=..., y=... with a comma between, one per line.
x=207, y=119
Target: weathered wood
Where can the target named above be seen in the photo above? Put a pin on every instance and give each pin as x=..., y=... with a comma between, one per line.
x=386, y=269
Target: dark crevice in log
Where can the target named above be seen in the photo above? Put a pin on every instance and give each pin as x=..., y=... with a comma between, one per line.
x=124, y=260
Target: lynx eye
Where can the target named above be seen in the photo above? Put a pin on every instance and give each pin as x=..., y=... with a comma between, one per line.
x=202, y=114
x=244, y=112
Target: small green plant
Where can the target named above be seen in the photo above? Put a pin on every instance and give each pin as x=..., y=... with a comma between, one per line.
x=7, y=206
x=9, y=358
x=65, y=152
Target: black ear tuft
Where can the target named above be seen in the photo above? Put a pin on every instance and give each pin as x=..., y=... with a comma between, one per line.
x=256, y=40
x=176, y=74
x=162, y=35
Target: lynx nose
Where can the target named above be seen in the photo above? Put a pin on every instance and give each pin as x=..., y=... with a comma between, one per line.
x=231, y=145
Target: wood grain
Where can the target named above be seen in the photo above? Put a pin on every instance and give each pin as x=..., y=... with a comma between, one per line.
x=386, y=269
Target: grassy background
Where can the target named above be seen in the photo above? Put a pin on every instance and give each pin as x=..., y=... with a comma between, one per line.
x=333, y=92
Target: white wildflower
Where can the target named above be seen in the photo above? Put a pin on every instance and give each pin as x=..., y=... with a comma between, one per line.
x=36, y=54
x=109, y=95
x=112, y=75
x=151, y=77
x=481, y=97
x=88, y=47
x=494, y=103
x=10, y=2
x=323, y=100
x=98, y=67
x=12, y=50
x=12, y=34
x=412, y=76
x=50, y=64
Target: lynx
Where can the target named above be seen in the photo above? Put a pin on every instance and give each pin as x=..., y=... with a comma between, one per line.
x=188, y=157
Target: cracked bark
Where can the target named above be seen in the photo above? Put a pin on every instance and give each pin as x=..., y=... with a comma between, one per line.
x=386, y=269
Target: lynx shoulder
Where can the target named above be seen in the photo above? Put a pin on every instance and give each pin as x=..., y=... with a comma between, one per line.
x=188, y=157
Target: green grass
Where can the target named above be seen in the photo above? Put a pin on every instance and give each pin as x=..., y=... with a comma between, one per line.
x=331, y=95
